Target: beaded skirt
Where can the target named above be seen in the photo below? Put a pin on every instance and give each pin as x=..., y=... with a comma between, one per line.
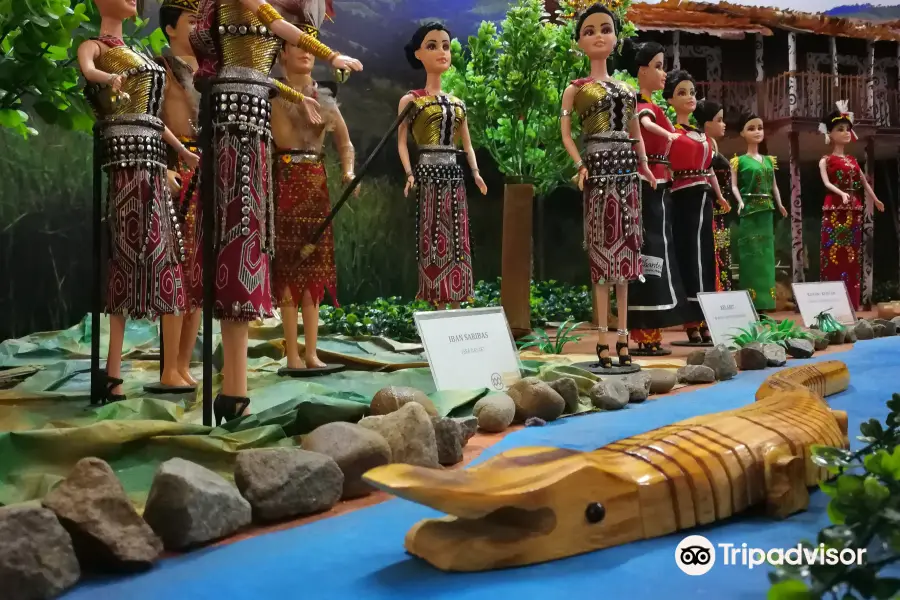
x=613, y=234
x=442, y=229
x=301, y=206
x=191, y=212
x=722, y=243
x=839, y=252
x=146, y=249
x=244, y=240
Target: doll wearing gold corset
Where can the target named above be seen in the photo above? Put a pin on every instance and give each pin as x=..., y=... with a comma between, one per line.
x=146, y=246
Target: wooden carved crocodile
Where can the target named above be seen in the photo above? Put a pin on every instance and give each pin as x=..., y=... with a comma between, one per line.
x=531, y=505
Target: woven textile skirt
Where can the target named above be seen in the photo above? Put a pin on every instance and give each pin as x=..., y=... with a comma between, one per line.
x=722, y=242
x=756, y=258
x=694, y=249
x=839, y=252
x=191, y=211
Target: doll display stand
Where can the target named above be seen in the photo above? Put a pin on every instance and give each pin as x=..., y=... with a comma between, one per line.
x=641, y=352
x=98, y=382
x=687, y=344
x=310, y=371
x=595, y=368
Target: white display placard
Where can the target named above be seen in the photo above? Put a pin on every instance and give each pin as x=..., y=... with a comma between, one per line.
x=727, y=312
x=469, y=348
x=830, y=296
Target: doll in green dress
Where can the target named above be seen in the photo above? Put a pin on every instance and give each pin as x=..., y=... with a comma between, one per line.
x=755, y=177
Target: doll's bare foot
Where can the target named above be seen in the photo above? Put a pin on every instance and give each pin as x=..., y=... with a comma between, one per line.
x=313, y=362
x=185, y=374
x=173, y=378
x=295, y=362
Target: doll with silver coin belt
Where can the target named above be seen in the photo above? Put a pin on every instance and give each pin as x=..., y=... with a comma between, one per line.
x=144, y=276
x=438, y=125
x=236, y=43
x=608, y=172
x=840, y=252
x=301, y=198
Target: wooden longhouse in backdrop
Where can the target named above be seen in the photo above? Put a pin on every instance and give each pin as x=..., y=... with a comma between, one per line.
x=790, y=68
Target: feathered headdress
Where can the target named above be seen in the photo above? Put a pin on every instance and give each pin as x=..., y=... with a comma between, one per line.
x=185, y=5
x=307, y=15
x=577, y=7
x=842, y=113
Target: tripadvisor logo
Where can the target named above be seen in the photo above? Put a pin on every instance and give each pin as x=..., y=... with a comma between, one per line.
x=696, y=555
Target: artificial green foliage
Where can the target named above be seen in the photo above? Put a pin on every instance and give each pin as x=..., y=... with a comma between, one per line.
x=393, y=317
x=826, y=323
x=555, y=344
x=512, y=78
x=754, y=333
x=39, y=74
x=864, y=510
x=785, y=330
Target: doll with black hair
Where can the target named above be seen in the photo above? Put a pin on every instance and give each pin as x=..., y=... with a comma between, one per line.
x=610, y=166
x=710, y=117
x=180, y=112
x=302, y=200
x=439, y=127
x=840, y=252
x=236, y=43
x=654, y=303
x=757, y=187
x=694, y=188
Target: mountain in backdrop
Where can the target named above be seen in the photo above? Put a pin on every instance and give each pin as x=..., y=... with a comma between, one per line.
x=867, y=12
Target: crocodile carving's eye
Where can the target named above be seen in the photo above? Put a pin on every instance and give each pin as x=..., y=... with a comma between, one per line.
x=595, y=512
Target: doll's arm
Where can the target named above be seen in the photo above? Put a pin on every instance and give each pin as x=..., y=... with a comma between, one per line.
x=776, y=193
x=643, y=167
x=870, y=193
x=823, y=172
x=565, y=124
x=189, y=157
x=344, y=146
x=402, y=149
x=734, y=185
x=650, y=125
x=470, y=155
x=88, y=52
x=292, y=35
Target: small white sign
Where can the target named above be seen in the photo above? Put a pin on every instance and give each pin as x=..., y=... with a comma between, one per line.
x=824, y=296
x=469, y=348
x=726, y=313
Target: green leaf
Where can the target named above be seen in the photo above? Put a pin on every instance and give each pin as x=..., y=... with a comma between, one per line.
x=886, y=588
x=791, y=589
x=876, y=490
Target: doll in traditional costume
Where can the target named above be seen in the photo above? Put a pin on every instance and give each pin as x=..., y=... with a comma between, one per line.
x=609, y=166
x=840, y=253
x=236, y=43
x=301, y=196
x=146, y=250
x=694, y=189
x=180, y=113
x=655, y=303
x=710, y=117
x=438, y=125
x=756, y=185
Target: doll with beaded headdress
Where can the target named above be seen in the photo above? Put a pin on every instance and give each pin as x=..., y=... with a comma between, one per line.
x=180, y=112
x=301, y=196
x=144, y=275
x=236, y=43
x=840, y=252
x=438, y=125
x=609, y=169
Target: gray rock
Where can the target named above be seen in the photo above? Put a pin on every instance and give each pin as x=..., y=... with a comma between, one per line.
x=190, y=505
x=819, y=339
x=535, y=422
x=391, y=398
x=107, y=532
x=534, y=398
x=638, y=385
x=720, y=360
x=751, y=358
x=800, y=348
x=880, y=330
x=776, y=356
x=890, y=327
x=469, y=425
x=281, y=483
x=696, y=357
x=609, y=395
x=37, y=559
x=850, y=336
x=495, y=412
x=450, y=438
x=355, y=449
x=896, y=321
x=696, y=374
x=836, y=338
x=409, y=433
x=661, y=381
x=568, y=389
x=864, y=330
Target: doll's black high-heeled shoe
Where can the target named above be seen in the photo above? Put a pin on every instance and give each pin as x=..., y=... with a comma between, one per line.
x=705, y=337
x=229, y=408
x=624, y=359
x=694, y=336
x=605, y=361
x=108, y=396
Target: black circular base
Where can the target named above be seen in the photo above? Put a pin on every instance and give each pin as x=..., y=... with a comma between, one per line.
x=643, y=352
x=687, y=344
x=161, y=388
x=310, y=371
x=595, y=368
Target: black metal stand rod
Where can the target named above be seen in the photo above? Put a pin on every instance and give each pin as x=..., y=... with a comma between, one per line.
x=97, y=384
x=207, y=201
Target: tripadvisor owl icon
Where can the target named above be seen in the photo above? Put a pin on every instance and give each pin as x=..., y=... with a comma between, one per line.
x=695, y=555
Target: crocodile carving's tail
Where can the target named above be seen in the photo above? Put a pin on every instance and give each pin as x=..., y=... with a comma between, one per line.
x=531, y=505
